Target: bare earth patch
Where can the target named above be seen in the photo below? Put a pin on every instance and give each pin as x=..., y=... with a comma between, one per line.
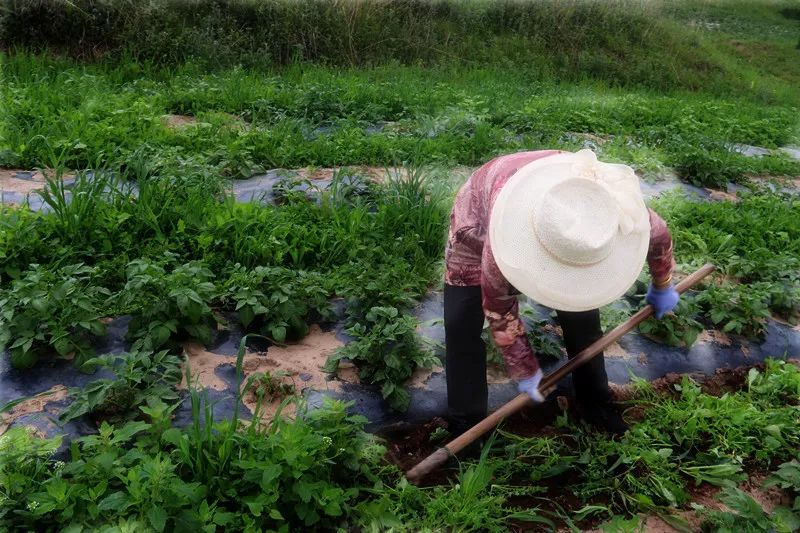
x=550, y=328
x=34, y=404
x=715, y=194
x=178, y=121
x=715, y=337
x=615, y=350
x=347, y=372
x=25, y=181
x=10, y=181
x=791, y=183
x=496, y=374
x=302, y=362
x=419, y=378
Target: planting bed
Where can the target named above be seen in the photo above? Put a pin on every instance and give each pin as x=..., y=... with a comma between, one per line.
x=213, y=368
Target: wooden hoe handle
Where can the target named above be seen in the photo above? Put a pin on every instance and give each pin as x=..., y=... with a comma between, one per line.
x=440, y=456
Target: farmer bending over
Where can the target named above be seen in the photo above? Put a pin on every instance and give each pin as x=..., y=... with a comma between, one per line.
x=569, y=232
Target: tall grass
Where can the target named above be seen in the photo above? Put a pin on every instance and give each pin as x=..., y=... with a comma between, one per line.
x=620, y=41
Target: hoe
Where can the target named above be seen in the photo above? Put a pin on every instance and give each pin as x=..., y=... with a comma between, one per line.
x=440, y=456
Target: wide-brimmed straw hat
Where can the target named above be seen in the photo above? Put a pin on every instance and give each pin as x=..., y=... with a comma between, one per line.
x=570, y=232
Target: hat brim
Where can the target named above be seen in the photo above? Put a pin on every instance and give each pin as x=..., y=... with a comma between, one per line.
x=532, y=270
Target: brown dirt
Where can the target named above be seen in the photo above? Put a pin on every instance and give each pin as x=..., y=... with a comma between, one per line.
x=555, y=329
x=716, y=194
x=721, y=381
x=419, y=378
x=34, y=404
x=777, y=318
x=615, y=350
x=347, y=372
x=715, y=337
x=786, y=182
x=408, y=447
x=496, y=373
x=300, y=360
x=10, y=183
x=373, y=173
x=178, y=121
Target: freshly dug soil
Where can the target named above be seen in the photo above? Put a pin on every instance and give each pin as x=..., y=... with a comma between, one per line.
x=407, y=446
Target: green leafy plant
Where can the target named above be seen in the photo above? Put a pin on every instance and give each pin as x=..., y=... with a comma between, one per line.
x=277, y=301
x=740, y=309
x=138, y=378
x=613, y=316
x=438, y=434
x=782, y=297
x=52, y=310
x=746, y=514
x=288, y=474
x=168, y=306
x=270, y=386
x=472, y=503
x=24, y=462
x=386, y=350
x=679, y=328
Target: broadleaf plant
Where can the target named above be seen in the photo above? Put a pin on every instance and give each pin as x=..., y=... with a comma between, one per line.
x=168, y=306
x=53, y=311
x=277, y=302
x=138, y=377
x=386, y=350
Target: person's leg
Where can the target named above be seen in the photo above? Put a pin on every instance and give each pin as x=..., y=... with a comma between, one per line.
x=467, y=390
x=591, y=382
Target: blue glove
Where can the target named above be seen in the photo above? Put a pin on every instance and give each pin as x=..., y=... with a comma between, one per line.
x=663, y=300
x=530, y=386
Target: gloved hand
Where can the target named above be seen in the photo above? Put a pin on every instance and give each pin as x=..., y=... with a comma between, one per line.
x=530, y=386
x=663, y=300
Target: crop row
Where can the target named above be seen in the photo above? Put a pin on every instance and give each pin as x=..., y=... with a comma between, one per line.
x=112, y=116
x=173, y=254
x=322, y=471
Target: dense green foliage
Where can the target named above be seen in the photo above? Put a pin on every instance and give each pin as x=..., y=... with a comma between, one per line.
x=51, y=309
x=386, y=350
x=623, y=42
x=690, y=438
x=173, y=256
x=139, y=378
x=321, y=471
x=754, y=242
x=57, y=112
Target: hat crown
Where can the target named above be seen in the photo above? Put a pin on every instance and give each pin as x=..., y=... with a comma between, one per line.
x=577, y=221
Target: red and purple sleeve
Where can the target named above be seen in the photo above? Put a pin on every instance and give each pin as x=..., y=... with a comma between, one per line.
x=659, y=254
x=501, y=308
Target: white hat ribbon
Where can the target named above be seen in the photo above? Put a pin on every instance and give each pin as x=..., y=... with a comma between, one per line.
x=621, y=183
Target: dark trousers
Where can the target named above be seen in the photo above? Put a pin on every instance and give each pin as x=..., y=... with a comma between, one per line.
x=467, y=390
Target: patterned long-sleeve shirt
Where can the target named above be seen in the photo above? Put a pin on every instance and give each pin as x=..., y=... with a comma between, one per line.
x=470, y=262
